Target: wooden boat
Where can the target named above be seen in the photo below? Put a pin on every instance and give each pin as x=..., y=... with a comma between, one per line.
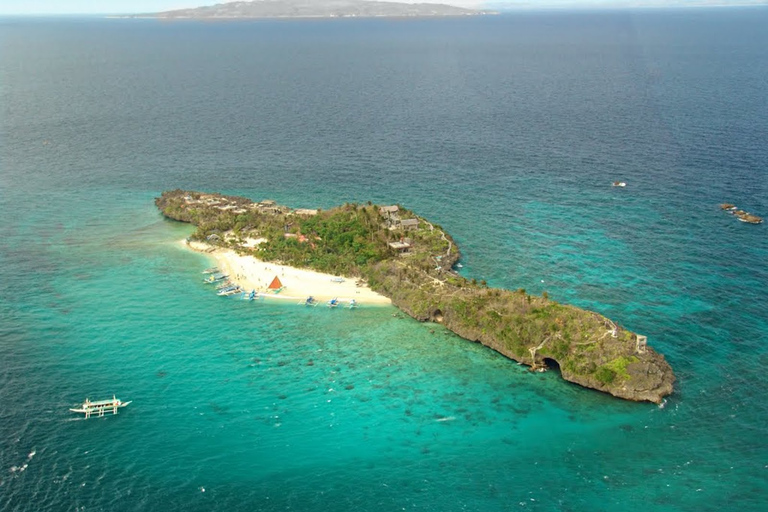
x=100, y=407
x=229, y=291
x=212, y=270
x=214, y=278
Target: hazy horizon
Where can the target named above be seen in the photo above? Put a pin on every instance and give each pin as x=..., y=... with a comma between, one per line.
x=56, y=7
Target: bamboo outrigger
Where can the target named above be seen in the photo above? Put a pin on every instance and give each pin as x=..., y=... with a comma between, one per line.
x=100, y=407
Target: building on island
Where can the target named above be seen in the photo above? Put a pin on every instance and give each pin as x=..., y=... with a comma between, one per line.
x=403, y=246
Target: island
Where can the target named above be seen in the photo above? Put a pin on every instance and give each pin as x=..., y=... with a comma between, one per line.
x=411, y=260
x=313, y=9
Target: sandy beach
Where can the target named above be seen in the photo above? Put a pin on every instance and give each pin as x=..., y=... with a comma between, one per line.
x=298, y=284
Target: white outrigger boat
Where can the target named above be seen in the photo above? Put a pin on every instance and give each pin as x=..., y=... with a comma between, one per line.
x=100, y=407
x=230, y=290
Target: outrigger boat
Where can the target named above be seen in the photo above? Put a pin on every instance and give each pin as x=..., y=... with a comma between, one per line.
x=215, y=277
x=212, y=270
x=231, y=290
x=249, y=295
x=334, y=302
x=309, y=301
x=352, y=304
x=100, y=407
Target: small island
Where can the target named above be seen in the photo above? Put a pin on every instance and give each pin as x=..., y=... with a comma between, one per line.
x=313, y=9
x=410, y=260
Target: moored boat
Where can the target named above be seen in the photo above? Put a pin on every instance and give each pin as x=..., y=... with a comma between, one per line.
x=212, y=270
x=309, y=301
x=231, y=290
x=334, y=302
x=214, y=278
x=100, y=407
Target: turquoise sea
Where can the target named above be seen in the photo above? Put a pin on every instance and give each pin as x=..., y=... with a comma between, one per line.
x=507, y=131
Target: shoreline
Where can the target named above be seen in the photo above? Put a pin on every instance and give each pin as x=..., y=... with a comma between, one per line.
x=252, y=273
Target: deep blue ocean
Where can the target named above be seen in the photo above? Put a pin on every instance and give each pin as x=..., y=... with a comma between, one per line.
x=508, y=131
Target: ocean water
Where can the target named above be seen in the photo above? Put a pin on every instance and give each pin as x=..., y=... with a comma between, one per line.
x=505, y=130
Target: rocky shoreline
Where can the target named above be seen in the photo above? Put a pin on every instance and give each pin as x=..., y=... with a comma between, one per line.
x=410, y=260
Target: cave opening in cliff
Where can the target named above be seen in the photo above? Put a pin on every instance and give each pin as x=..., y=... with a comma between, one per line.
x=551, y=364
x=437, y=316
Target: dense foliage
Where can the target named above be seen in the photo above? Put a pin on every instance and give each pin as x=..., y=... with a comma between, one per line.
x=356, y=240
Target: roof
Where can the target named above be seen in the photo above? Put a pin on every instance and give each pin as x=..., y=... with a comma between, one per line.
x=409, y=222
x=389, y=209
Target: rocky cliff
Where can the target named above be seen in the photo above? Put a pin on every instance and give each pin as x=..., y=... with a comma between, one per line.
x=410, y=260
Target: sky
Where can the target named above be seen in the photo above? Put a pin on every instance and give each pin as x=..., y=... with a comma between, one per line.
x=139, y=6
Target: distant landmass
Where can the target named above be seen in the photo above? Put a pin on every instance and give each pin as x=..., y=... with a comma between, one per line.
x=313, y=9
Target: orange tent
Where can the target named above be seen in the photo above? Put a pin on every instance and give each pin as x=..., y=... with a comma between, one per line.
x=275, y=284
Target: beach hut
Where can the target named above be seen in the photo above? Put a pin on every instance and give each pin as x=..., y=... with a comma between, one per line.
x=275, y=285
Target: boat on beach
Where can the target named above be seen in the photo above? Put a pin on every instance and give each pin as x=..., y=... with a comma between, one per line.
x=334, y=302
x=213, y=278
x=212, y=270
x=100, y=407
x=230, y=290
x=309, y=301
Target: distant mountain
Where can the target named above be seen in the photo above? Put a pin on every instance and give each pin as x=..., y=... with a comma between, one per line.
x=313, y=9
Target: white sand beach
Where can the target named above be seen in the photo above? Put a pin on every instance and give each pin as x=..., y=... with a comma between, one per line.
x=254, y=274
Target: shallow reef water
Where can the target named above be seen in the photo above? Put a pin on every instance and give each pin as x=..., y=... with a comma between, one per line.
x=508, y=132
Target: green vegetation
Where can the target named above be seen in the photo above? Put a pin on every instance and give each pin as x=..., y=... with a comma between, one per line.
x=410, y=261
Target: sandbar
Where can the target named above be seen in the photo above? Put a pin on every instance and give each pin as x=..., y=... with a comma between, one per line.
x=252, y=273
